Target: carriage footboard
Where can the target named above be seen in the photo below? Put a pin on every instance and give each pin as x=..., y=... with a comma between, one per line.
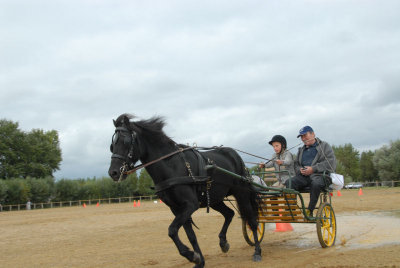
x=281, y=208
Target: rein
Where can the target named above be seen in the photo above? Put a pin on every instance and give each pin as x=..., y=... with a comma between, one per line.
x=134, y=169
x=156, y=160
x=251, y=154
x=166, y=156
x=268, y=160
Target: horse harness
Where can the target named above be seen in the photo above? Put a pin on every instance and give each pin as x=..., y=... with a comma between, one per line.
x=203, y=181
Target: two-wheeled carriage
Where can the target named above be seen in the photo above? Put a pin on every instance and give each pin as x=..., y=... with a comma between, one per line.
x=277, y=205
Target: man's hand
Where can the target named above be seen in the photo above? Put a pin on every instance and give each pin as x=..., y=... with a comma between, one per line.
x=306, y=171
x=261, y=165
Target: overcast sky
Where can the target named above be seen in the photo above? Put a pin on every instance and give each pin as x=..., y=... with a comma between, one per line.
x=221, y=72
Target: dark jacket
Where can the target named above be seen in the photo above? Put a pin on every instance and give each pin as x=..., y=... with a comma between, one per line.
x=325, y=159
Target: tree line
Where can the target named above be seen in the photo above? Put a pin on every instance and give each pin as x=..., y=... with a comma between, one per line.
x=382, y=164
x=29, y=159
x=43, y=190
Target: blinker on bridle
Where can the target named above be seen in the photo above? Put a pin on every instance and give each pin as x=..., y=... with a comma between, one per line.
x=128, y=140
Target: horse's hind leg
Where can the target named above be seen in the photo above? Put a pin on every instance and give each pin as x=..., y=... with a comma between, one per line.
x=257, y=249
x=228, y=215
x=250, y=215
x=198, y=256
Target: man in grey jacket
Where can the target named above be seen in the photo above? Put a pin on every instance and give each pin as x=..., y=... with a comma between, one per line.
x=313, y=159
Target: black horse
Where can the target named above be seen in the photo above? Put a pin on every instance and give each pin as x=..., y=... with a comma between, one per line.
x=181, y=180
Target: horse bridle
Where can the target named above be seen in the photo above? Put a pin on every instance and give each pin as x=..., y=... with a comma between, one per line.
x=128, y=140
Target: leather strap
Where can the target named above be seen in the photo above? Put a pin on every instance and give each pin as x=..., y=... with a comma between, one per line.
x=180, y=180
x=157, y=160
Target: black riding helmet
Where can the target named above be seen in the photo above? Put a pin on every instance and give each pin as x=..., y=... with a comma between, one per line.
x=280, y=139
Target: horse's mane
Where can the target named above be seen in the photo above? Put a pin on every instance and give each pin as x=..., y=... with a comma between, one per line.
x=151, y=128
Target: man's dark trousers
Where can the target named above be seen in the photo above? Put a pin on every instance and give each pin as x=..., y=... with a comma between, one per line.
x=299, y=182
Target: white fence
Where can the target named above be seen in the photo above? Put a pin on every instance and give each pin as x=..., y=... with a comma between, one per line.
x=76, y=203
x=381, y=183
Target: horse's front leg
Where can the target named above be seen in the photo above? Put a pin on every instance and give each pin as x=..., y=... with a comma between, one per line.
x=181, y=217
x=193, y=241
x=228, y=215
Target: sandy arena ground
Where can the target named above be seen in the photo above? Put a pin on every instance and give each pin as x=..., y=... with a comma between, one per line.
x=121, y=235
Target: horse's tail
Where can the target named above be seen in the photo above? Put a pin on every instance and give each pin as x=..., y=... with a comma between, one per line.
x=253, y=199
x=252, y=194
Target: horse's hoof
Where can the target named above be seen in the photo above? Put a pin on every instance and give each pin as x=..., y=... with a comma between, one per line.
x=256, y=258
x=225, y=247
x=201, y=265
x=196, y=258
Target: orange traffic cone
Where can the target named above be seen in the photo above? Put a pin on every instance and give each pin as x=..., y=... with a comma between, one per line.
x=138, y=203
x=283, y=227
x=84, y=205
x=360, y=192
x=339, y=193
x=134, y=203
x=97, y=205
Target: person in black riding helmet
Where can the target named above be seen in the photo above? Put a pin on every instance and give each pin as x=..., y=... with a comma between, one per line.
x=313, y=159
x=281, y=160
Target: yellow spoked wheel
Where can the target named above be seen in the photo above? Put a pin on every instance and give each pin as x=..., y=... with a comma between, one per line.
x=326, y=225
x=248, y=234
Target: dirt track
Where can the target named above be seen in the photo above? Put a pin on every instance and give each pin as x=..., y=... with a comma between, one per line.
x=124, y=236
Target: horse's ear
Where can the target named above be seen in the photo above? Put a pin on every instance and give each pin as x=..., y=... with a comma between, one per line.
x=115, y=123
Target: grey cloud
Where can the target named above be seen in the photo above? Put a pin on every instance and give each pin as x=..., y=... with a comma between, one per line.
x=235, y=73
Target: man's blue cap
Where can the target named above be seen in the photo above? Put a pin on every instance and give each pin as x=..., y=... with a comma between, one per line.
x=304, y=130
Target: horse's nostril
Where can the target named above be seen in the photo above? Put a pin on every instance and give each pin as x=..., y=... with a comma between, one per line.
x=113, y=173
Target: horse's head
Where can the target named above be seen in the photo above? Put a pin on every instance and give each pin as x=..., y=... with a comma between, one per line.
x=124, y=148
